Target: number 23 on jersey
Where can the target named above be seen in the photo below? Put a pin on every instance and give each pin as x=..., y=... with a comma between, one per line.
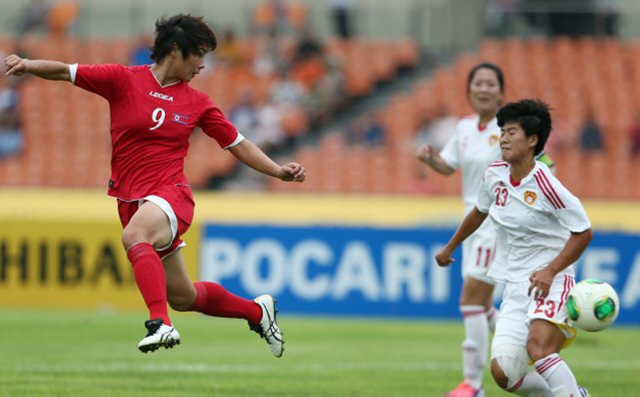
x=502, y=194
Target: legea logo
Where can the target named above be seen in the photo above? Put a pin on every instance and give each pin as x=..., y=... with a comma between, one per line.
x=161, y=96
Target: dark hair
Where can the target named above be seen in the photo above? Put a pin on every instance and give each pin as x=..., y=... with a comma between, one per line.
x=487, y=65
x=532, y=115
x=190, y=34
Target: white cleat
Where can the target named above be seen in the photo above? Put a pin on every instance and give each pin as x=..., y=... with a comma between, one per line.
x=158, y=335
x=268, y=327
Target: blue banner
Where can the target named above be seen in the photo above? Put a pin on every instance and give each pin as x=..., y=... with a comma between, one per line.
x=376, y=271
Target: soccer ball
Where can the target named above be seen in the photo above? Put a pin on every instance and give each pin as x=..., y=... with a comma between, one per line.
x=593, y=305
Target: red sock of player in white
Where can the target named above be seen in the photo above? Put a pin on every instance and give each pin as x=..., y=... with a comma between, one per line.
x=475, y=347
x=558, y=375
x=151, y=279
x=214, y=300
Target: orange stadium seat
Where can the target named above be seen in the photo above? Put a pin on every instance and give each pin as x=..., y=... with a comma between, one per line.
x=61, y=16
x=294, y=121
x=407, y=53
x=265, y=15
x=297, y=14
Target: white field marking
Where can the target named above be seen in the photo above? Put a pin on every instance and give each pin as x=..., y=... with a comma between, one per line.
x=432, y=366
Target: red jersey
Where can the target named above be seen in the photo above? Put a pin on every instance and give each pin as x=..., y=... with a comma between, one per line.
x=151, y=125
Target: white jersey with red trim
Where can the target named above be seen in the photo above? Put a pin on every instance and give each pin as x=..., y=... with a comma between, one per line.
x=533, y=219
x=472, y=149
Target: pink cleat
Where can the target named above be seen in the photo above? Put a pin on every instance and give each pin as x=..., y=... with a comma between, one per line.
x=465, y=389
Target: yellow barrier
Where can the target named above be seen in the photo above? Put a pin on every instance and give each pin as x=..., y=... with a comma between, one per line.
x=61, y=248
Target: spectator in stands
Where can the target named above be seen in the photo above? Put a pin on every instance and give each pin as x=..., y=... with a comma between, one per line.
x=368, y=131
x=34, y=16
x=260, y=122
x=607, y=16
x=141, y=54
x=590, y=18
x=229, y=53
x=318, y=103
x=63, y=17
x=272, y=15
x=269, y=59
x=11, y=140
x=308, y=46
x=334, y=83
x=150, y=137
x=635, y=137
x=269, y=134
x=499, y=15
x=591, y=138
x=326, y=88
x=375, y=133
x=244, y=114
x=342, y=11
x=287, y=91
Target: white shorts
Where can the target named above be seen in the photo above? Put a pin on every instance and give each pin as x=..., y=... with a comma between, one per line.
x=518, y=310
x=478, y=252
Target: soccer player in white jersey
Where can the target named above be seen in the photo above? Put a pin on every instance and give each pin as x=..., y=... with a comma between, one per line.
x=472, y=148
x=542, y=229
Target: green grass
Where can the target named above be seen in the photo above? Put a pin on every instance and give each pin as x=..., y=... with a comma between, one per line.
x=94, y=354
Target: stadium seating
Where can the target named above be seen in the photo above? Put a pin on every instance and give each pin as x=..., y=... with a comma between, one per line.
x=575, y=76
x=66, y=129
x=66, y=143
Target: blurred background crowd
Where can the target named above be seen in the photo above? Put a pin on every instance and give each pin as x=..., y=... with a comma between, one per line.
x=348, y=88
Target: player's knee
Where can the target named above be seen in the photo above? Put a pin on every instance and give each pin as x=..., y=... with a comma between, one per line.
x=466, y=296
x=509, y=364
x=180, y=302
x=499, y=375
x=131, y=236
x=537, y=349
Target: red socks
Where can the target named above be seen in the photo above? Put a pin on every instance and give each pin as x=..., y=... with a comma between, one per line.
x=214, y=300
x=151, y=279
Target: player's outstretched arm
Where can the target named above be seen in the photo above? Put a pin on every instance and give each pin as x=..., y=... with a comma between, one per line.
x=428, y=155
x=251, y=155
x=469, y=225
x=50, y=70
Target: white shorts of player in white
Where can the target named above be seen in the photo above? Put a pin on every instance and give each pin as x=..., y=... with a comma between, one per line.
x=518, y=309
x=478, y=251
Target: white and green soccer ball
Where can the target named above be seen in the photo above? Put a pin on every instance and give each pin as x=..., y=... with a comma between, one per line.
x=593, y=305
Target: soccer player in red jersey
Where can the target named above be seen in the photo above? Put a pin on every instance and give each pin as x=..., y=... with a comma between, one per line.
x=153, y=113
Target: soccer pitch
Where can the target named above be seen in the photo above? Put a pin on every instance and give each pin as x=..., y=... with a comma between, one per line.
x=95, y=354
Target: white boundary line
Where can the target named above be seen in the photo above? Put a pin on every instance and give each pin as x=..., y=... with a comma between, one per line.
x=304, y=367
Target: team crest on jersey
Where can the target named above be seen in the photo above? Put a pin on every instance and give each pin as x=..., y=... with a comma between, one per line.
x=493, y=140
x=530, y=197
